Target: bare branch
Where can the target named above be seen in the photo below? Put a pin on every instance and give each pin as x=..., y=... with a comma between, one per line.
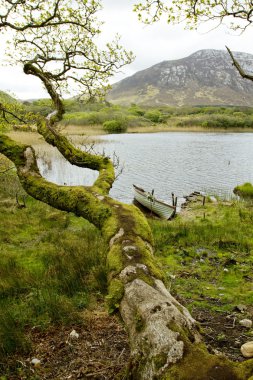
x=239, y=67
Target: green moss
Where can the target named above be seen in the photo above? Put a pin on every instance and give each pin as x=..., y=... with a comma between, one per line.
x=110, y=228
x=115, y=294
x=245, y=369
x=141, y=227
x=149, y=260
x=245, y=190
x=115, y=261
x=12, y=150
x=198, y=364
x=139, y=322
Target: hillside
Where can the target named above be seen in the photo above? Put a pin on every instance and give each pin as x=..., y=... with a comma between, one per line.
x=6, y=98
x=206, y=77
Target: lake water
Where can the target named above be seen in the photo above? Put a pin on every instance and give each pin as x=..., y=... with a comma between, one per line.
x=179, y=162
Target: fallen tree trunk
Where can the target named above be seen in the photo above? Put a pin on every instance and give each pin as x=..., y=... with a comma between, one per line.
x=164, y=338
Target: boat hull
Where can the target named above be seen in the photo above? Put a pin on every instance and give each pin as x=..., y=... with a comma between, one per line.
x=162, y=209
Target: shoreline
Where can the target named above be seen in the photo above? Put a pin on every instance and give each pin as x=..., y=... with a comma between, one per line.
x=95, y=133
x=98, y=130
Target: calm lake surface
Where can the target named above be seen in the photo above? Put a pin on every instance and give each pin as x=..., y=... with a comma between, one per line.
x=179, y=162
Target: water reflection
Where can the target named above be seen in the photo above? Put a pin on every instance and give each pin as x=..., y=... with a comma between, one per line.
x=56, y=169
x=179, y=162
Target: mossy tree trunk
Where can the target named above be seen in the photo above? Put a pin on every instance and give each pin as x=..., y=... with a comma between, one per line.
x=164, y=338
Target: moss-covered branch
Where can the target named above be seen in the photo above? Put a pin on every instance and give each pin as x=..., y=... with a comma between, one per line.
x=77, y=157
x=83, y=201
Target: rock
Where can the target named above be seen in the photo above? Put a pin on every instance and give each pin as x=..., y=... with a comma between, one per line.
x=237, y=343
x=247, y=349
x=35, y=362
x=74, y=335
x=241, y=308
x=246, y=323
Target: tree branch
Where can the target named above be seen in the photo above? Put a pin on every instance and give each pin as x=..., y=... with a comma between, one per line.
x=239, y=67
x=83, y=201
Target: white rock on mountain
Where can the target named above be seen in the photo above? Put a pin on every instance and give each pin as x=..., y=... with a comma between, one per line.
x=206, y=77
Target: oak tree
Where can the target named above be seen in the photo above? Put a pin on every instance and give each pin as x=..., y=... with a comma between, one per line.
x=55, y=42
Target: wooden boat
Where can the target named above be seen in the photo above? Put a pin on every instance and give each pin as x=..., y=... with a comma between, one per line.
x=147, y=199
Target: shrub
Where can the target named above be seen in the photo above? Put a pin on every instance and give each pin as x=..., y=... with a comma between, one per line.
x=114, y=126
x=245, y=190
x=135, y=110
x=153, y=115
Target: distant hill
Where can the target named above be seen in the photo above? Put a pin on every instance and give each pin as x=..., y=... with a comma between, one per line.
x=6, y=98
x=206, y=77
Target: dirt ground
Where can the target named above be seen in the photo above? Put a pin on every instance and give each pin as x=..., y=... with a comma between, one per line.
x=222, y=332
x=100, y=352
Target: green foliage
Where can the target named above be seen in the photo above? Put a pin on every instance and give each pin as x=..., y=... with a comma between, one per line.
x=219, y=121
x=153, y=115
x=114, y=126
x=14, y=115
x=51, y=263
x=6, y=98
x=136, y=110
x=136, y=117
x=245, y=190
x=193, y=13
x=42, y=106
x=196, y=251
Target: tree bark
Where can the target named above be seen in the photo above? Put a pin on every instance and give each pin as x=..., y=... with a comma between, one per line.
x=164, y=338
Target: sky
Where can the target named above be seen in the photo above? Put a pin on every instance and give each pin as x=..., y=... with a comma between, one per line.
x=151, y=44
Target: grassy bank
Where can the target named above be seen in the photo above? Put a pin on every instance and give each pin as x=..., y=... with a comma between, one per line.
x=208, y=253
x=52, y=270
x=52, y=266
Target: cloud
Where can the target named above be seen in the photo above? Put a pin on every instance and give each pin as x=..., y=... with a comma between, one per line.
x=151, y=44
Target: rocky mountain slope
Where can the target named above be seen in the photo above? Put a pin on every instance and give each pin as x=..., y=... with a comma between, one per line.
x=206, y=77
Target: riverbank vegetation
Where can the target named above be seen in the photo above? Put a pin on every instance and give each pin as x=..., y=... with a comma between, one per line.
x=109, y=118
x=53, y=272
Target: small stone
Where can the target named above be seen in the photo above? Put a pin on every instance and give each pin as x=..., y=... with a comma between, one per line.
x=35, y=362
x=237, y=343
x=74, y=335
x=241, y=308
x=246, y=323
x=128, y=248
x=217, y=352
x=247, y=349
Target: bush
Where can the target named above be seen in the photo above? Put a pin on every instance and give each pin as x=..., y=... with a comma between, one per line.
x=245, y=190
x=114, y=126
x=135, y=110
x=153, y=115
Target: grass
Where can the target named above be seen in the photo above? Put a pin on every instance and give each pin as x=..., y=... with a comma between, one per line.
x=52, y=266
x=208, y=257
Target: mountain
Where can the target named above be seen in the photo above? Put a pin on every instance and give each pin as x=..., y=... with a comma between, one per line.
x=207, y=77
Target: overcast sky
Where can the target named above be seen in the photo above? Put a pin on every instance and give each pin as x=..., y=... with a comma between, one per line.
x=150, y=44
